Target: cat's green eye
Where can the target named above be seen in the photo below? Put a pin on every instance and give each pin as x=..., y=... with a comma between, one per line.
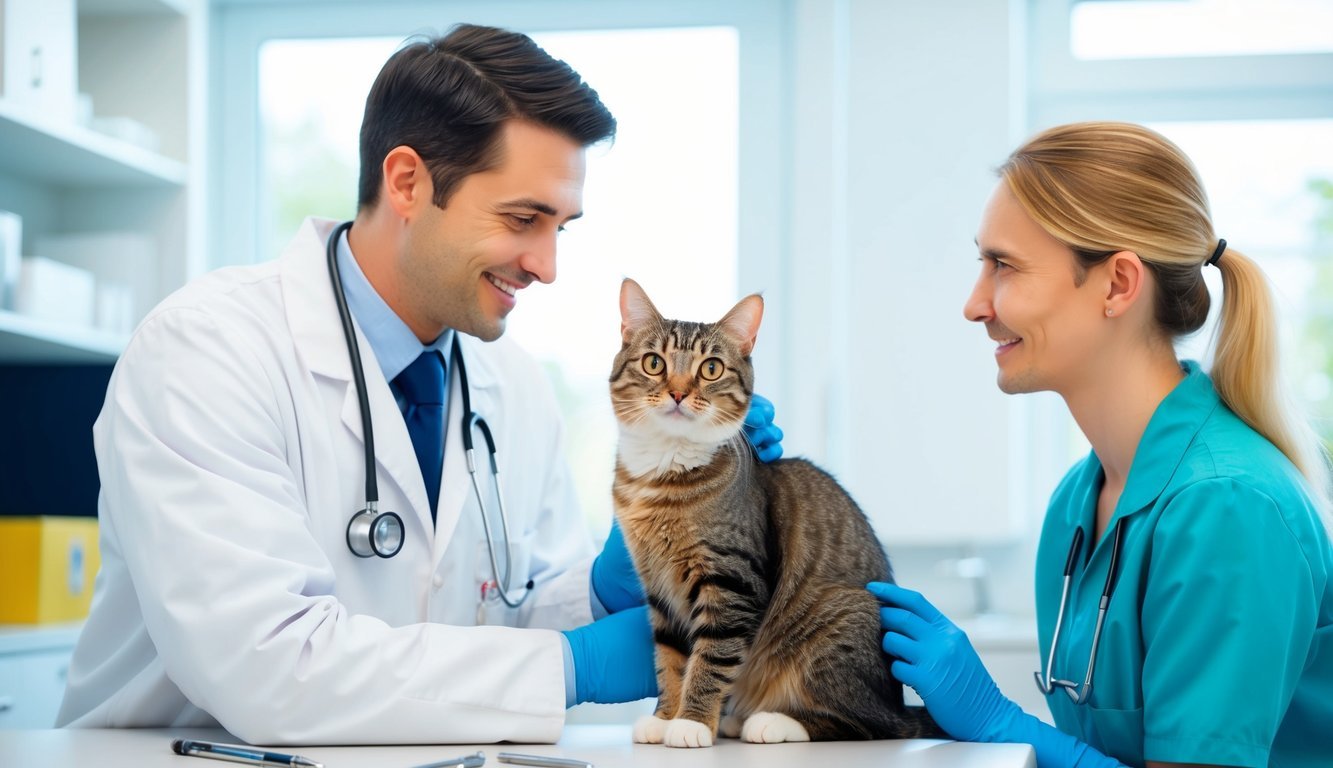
x=653, y=364
x=712, y=369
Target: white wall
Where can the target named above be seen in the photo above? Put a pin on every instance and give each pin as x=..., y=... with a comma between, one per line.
x=900, y=111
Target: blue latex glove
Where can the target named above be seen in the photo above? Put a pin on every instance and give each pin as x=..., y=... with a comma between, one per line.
x=613, y=658
x=760, y=430
x=613, y=576
x=935, y=657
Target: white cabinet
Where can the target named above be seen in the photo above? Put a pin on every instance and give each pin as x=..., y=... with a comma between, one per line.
x=38, y=61
x=122, y=158
x=33, y=666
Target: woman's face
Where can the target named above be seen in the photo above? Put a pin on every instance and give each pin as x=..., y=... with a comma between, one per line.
x=1046, y=328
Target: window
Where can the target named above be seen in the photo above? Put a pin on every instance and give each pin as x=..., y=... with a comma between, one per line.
x=665, y=204
x=1129, y=29
x=1259, y=129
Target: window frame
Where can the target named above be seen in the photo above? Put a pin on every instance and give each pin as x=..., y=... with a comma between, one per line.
x=1063, y=88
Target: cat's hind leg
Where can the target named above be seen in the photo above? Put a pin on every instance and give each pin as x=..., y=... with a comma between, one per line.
x=772, y=728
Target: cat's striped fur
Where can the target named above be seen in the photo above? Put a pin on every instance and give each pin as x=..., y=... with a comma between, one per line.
x=755, y=573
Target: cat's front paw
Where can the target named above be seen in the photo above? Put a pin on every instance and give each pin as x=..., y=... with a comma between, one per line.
x=649, y=729
x=771, y=728
x=687, y=733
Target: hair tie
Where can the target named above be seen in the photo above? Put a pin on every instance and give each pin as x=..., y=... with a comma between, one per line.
x=1217, y=254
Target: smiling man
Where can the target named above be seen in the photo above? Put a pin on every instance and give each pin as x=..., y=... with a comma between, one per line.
x=249, y=408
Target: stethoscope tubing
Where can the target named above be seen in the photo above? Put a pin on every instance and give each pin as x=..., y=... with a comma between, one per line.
x=1046, y=683
x=364, y=523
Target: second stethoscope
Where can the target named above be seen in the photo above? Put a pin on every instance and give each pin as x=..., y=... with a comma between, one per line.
x=374, y=533
x=1079, y=693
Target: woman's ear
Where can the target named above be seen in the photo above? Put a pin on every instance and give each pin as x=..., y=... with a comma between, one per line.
x=1127, y=282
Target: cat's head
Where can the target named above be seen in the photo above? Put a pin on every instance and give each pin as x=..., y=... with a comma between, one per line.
x=684, y=379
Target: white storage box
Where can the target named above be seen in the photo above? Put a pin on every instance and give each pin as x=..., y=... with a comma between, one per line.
x=122, y=263
x=11, y=241
x=51, y=290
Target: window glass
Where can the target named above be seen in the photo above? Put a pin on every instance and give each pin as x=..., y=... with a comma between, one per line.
x=1270, y=186
x=661, y=203
x=1130, y=29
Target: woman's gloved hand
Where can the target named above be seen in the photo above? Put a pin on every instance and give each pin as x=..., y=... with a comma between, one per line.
x=760, y=430
x=613, y=577
x=613, y=658
x=935, y=657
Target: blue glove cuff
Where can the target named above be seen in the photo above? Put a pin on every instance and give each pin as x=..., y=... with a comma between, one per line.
x=578, y=657
x=1054, y=747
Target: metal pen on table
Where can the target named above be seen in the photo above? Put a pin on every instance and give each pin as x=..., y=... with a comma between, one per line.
x=474, y=760
x=543, y=761
x=238, y=753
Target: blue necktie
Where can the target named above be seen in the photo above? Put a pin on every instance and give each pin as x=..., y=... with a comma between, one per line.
x=422, y=385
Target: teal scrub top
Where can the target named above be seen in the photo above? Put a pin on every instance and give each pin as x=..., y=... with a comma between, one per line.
x=1218, y=642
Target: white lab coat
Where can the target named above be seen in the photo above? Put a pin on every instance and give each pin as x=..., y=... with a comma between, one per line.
x=231, y=459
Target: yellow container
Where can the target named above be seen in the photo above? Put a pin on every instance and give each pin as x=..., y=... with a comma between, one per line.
x=47, y=565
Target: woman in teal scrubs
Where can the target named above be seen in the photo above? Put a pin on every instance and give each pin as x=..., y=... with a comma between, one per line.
x=1199, y=508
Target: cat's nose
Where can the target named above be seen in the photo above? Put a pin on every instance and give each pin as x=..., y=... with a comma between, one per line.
x=677, y=396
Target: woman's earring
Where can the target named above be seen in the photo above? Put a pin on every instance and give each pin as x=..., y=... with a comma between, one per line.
x=1109, y=311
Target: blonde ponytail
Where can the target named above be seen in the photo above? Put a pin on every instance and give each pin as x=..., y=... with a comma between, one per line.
x=1247, y=371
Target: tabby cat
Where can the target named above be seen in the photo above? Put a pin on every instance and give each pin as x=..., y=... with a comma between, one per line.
x=755, y=573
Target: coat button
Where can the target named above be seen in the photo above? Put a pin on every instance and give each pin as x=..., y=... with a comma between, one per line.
x=438, y=581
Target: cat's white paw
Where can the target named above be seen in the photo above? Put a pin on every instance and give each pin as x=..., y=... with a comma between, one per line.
x=730, y=727
x=649, y=729
x=687, y=733
x=771, y=728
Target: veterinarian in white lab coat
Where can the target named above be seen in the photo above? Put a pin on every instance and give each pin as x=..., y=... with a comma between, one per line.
x=231, y=453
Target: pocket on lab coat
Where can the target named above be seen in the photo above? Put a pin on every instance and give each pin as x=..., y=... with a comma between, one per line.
x=1117, y=733
x=491, y=608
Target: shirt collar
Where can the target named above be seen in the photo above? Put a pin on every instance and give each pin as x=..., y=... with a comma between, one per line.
x=394, y=344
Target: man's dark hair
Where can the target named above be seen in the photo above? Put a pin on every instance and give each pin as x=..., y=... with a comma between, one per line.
x=448, y=97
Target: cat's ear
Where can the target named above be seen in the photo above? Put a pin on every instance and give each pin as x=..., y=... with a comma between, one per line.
x=742, y=322
x=636, y=311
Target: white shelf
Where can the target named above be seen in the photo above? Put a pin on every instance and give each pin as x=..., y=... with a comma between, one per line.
x=28, y=638
x=54, y=153
x=27, y=340
x=131, y=7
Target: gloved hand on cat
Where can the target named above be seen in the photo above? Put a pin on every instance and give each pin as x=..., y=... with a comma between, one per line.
x=613, y=658
x=936, y=659
x=760, y=430
x=613, y=577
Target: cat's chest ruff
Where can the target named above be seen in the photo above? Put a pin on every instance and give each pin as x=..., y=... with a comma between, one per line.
x=649, y=453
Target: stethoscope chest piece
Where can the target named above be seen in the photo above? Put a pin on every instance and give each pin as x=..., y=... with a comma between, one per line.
x=373, y=533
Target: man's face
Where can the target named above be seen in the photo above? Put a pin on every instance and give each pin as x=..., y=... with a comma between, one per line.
x=464, y=265
x=1046, y=328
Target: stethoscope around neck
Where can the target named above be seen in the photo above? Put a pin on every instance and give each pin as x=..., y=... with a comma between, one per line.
x=1047, y=683
x=372, y=533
